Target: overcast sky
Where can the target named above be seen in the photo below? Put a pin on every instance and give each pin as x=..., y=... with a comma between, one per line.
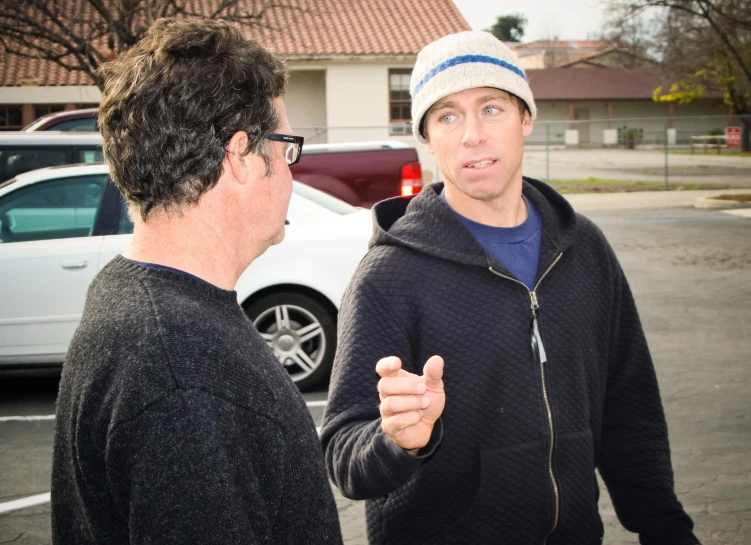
x=546, y=19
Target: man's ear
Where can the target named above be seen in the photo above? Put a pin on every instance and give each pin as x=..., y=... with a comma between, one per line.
x=428, y=145
x=237, y=162
x=423, y=128
x=527, y=124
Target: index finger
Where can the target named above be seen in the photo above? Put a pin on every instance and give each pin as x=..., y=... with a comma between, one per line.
x=407, y=385
x=389, y=367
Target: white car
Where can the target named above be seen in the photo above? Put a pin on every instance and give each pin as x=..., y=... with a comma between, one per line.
x=60, y=225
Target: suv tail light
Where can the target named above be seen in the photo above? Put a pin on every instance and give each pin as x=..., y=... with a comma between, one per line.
x=411, y=179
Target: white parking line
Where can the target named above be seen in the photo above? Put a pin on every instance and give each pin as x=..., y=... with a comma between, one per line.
x=31, y=501
x=27, y=418
x=40, y=499
x=43, y=417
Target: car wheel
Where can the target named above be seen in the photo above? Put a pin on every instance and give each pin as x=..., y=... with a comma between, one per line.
x=300, y=331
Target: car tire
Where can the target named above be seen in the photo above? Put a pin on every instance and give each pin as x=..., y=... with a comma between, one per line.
x=300, y=331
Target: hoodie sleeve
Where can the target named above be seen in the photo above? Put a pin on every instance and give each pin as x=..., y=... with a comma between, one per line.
x=361, y=459
x=634, y=457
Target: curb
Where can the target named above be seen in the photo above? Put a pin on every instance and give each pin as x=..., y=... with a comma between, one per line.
x=711, y=202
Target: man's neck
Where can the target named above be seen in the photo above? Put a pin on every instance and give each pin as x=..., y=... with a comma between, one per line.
x=192, y=243
x=506, y=210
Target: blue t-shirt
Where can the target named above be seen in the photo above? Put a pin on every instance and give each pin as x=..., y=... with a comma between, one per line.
x=516, y=248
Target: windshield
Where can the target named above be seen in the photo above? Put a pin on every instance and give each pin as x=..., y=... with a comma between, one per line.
x=324, y=199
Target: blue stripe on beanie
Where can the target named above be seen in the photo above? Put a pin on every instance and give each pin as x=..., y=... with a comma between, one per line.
x=463, y=59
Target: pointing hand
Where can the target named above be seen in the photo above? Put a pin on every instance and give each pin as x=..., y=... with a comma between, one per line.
x=410, y=404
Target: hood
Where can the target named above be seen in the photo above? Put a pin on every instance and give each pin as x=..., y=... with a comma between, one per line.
x=424, y=223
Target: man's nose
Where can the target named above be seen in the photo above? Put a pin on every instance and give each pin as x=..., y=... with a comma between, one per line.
x=474, y=131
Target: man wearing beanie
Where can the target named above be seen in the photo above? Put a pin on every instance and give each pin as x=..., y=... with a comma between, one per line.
x=490, y=354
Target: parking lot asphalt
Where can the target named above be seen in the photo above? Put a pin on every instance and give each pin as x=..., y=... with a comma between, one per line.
x=690, y=271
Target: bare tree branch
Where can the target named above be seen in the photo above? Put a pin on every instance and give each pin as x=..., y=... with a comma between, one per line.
x=705, y=44
x=721, y=34
x=83, y=34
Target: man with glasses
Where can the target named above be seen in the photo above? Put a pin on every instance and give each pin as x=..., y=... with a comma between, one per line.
x=175, y=422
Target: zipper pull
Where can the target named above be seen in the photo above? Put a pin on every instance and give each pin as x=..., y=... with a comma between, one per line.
x=537, y=346
x=535, y=305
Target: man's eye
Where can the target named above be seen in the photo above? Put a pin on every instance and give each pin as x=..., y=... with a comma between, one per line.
x=447, y=118
x=490, y=110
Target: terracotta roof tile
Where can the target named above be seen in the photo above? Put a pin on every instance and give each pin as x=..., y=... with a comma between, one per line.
x=330, y=28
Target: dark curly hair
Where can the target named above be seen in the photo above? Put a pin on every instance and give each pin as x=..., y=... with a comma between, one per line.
x=172, y=102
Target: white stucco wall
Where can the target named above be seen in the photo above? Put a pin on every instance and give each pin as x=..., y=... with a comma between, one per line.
x=648, y=116
x=305, y=101
x=533, y=62
x=74, y=94
x=357, y=107
x=357, y=102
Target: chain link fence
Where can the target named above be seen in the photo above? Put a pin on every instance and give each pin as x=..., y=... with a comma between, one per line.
x=677, y=152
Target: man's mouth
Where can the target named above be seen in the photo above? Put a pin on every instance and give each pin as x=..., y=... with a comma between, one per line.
x=481, y=164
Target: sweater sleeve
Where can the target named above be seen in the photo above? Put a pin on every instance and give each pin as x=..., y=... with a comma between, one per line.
x=634, y=458
x=361, y=459
x=194, y=468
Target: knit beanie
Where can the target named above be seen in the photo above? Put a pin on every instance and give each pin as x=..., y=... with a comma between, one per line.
x=462, y=61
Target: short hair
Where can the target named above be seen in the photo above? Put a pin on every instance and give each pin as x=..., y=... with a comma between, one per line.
x=520, y=104
x=172, y=102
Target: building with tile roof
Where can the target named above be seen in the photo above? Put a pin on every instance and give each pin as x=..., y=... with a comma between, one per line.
x=350, y=62
x=350, y=66
x=612, y=95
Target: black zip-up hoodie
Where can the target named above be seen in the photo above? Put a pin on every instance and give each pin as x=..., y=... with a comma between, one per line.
x=532, y=406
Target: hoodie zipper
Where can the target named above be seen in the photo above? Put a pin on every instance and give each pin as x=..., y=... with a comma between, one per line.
x=539, y=351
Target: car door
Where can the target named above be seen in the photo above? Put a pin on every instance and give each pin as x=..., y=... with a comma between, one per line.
x=48, y=257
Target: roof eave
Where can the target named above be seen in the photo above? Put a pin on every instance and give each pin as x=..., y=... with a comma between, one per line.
x=410, y=57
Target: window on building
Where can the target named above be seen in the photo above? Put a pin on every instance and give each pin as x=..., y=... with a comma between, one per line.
x=11, y=117
x=399, y=100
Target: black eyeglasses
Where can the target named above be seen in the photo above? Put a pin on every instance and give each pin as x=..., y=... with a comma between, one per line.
x=293, y=151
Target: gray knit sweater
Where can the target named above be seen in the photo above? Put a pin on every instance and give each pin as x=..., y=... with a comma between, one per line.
x=176, y=424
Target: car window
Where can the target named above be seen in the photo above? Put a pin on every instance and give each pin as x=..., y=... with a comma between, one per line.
x=329, y=202
x=90, y=156
x=64, y=208
x=87, y=124
x=125, y=226
x=17, y=161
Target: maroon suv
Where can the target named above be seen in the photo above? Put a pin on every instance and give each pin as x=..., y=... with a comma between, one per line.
x=71, y=120
x=360, y=173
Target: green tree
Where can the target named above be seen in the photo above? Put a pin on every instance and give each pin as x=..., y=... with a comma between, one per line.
x=705, y=45
x=509, y=28
x=81, y=35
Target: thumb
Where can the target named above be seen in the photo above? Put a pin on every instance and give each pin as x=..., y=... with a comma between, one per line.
x=433, y=373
